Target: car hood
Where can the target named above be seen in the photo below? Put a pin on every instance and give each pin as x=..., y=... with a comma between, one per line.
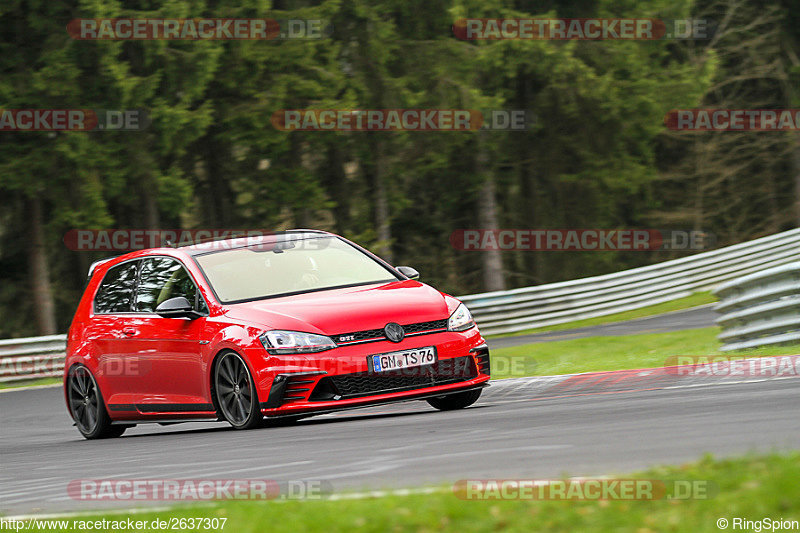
x=348, y=310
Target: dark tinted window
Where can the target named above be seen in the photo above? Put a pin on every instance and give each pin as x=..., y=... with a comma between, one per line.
x=163, y=278
x=116, y=290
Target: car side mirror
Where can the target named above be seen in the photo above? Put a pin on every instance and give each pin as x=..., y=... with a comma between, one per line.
x=408, y=272
x=178, y=307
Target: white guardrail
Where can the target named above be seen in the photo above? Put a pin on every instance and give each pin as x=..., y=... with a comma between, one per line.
x=32, y=357
x=556, y=303
x=761, y=309
x=530, y=307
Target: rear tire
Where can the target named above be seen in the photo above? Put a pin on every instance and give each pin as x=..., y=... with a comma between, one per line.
x=236, y=393
x=452, y=402
x=87, y=407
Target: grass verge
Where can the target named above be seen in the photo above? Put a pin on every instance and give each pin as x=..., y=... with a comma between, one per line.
x=613, y=353
x=22, y=384
x=693, y=300
x=753, y=487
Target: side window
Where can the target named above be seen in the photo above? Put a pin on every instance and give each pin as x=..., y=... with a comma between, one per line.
x=163, y=278
x=116, y=290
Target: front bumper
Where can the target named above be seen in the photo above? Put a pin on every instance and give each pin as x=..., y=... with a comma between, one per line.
x=342, y=379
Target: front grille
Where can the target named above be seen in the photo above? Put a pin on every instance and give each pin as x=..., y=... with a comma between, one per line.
x=359, y=336
x=425, y=326
x=371, y=335
x=359, y=384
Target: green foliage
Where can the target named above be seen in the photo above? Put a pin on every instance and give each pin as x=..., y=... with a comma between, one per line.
x=211, y=157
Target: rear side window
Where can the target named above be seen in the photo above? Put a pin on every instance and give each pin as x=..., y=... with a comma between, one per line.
x=115, y=294
x=163, y=278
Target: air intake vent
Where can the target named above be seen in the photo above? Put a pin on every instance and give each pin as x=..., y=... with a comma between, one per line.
x=345, y=386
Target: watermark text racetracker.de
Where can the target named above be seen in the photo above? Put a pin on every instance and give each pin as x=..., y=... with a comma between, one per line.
x=27, y=366
x=193, y=490
x=24, y=120
x=123, y=240
x=581, y=29
x=590, y=489
x=732, y=366
x=733, y=120
x=198, y=29
x=402, y=119
x=24, y=366
x=541, y=240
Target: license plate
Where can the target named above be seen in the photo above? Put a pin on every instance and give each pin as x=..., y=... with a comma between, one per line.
x=384, y=362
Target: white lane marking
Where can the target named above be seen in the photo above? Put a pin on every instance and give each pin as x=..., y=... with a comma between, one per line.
x=53, y=489
x=541, y=447
x=139, y=460
x=248, y=469
x=392, y=462
x=384, y=493
x=14, y=497
x=48, y=516
x=453, y=436
x=43, y=489
x=31, y=481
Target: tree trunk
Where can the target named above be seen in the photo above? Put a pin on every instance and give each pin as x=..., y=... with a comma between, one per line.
x=336, y=185
x=44, y=308
x=493, y=277
x=525, y=99
x=301, y=213
x=530, y=217
x=151, y=216
x=382, y=217
x=699, y=210
x=796, y=159
x=216, y=190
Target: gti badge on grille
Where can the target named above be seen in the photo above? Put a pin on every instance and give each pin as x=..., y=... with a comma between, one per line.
x=346, y=338
x=394, y=332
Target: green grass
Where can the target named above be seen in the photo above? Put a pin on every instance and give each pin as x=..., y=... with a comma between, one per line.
x=693, y=300
x=753, y=487
x=29, y=383
x=613, y=353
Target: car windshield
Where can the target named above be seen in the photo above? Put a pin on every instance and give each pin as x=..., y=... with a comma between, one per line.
x=289, y=267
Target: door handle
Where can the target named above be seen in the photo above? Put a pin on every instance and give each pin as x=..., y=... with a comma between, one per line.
x=129, y=331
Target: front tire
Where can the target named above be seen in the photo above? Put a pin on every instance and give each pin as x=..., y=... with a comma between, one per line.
x=87, y=407
x=452, y=402
x=236, y=393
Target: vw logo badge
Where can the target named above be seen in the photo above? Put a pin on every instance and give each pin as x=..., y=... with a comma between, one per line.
x=394, y=332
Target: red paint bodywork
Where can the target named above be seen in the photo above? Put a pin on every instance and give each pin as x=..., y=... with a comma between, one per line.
x=144, y=359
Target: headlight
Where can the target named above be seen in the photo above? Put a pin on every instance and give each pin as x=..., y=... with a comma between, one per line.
x=460, y=320
x=279, y=342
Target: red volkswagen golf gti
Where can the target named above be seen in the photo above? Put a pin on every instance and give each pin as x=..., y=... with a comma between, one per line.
x=286, y=325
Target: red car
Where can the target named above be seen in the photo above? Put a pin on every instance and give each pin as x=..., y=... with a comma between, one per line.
x=286, y=325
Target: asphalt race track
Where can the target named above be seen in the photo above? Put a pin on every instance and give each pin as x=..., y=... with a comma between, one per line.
x=525, y=427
